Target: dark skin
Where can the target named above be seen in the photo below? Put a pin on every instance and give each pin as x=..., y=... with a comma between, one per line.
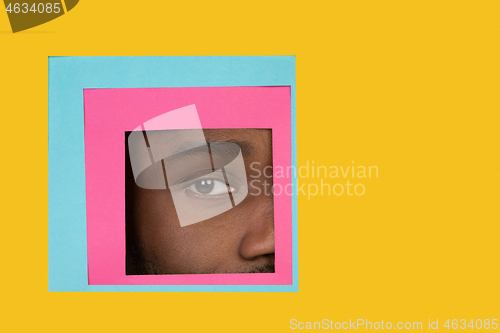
x=240, y=240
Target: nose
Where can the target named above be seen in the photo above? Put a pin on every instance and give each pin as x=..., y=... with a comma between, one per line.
x=258, y=239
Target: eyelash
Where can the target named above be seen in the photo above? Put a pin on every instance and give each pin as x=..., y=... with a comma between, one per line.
x=219, y=184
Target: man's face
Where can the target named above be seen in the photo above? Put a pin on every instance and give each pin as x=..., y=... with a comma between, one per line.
x=240, y=240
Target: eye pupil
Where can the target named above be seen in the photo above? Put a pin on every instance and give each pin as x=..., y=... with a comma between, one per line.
x=204, y=186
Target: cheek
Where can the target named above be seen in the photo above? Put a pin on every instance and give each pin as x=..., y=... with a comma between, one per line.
x=155, y=222
x=201, y=247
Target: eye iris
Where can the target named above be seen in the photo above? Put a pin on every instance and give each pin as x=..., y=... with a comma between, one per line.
x=204, y=186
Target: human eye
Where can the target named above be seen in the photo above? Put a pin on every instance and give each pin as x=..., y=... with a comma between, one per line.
x=209, y=187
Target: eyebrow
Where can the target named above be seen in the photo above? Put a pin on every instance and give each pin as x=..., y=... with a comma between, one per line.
x=189, y=158
x=194, y=160
x=246, y=147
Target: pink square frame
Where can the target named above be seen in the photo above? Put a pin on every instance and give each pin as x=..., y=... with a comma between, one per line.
x=109, y=113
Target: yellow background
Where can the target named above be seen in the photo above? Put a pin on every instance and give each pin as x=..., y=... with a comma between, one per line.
x=409, y=86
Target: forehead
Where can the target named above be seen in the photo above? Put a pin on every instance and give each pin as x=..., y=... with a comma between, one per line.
x=249, y=139
x=248, y=134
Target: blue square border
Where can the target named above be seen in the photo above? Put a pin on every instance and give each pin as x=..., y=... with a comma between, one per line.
x=68, y=76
